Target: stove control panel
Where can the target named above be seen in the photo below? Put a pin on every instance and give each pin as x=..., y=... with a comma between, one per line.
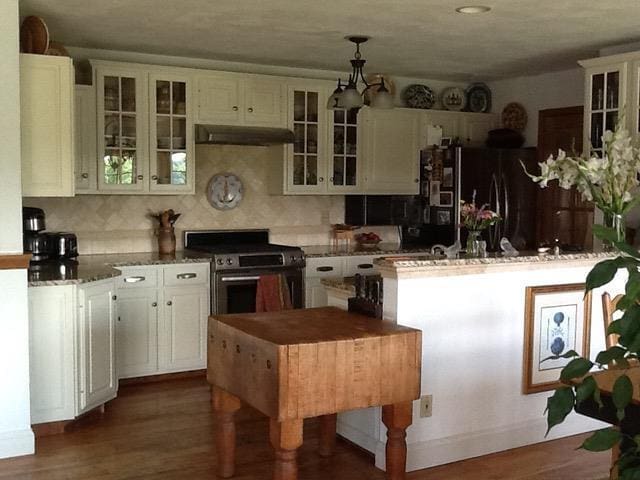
x=259, y=260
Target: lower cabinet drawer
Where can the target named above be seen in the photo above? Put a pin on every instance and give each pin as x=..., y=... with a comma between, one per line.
x=137, y=277
x=361, y=265
x=186, y=274
x=319, y=267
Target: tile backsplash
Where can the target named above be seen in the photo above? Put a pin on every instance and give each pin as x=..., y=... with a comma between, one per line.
x=121, y=223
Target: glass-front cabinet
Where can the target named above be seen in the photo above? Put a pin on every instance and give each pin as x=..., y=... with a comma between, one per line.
x=306, y=157
x=171, y=128
x=344, y=148
x=605, y=101
x=121, y=130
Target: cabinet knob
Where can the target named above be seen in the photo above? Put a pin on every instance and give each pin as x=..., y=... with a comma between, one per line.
x=235, y=108
x=85, y=175
x=321, y=179
x=154, y=177
x=169, y=303
x=114, y=298
x=250, y=109
x=140, y=177
x=154, y=304
x=417, y=180
x=331, y=179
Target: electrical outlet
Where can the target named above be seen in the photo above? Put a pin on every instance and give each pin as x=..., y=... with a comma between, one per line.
x=426, y=406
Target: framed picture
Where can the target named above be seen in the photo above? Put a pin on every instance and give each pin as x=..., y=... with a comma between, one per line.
x=447, y=177
x=445, y=142
x=434, y=193
x=443, y=217
x=557, y=319
x=446, y=199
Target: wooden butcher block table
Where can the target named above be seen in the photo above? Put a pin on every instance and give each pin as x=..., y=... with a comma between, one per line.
x=297, y=364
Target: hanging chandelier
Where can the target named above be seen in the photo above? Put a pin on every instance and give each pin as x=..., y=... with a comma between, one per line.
x=349, y=97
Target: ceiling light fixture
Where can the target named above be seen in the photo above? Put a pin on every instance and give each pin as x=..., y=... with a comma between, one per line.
x=349, y=97
x=471, y=9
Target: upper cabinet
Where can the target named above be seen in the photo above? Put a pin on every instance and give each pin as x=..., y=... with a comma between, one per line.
x=391, y=141
x=144, y=124
x=85, y=138
x=235, y=99
x=47, y=128
x=607, y=96
x=343, y=151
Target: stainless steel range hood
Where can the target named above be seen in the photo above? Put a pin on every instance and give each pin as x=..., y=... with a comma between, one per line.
x=233, y=135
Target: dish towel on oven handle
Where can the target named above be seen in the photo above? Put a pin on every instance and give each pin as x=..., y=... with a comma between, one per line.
x=272, y=294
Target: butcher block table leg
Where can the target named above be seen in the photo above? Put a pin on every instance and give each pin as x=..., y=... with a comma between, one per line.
x=224, y=406
x=327, y=434
x=285, y=437
x=396, y=417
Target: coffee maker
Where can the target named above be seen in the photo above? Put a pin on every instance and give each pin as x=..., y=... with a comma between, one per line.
x=35, y=241
x=45, y=245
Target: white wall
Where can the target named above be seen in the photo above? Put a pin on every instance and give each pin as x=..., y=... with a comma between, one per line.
x=539, y=92
x=16, y=437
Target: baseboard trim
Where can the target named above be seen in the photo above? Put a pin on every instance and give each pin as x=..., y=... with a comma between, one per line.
x=17, y=443
x=356, y=437
x=441, y=451
x=163, y=377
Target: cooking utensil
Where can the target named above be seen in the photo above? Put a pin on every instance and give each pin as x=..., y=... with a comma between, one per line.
x=34, y=35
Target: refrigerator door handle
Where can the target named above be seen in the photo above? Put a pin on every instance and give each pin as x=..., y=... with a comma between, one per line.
x=494, y=204
x=458, y=192
x=505, y=215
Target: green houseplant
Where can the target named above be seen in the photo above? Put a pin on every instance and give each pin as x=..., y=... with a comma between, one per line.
x=610, y=181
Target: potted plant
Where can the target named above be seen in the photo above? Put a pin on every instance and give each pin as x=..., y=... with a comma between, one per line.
x=610, y=181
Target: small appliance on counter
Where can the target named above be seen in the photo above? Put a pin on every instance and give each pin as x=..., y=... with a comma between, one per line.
x=45, y=245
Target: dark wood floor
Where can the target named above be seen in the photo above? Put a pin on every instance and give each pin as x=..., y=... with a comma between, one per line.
x=163, y=431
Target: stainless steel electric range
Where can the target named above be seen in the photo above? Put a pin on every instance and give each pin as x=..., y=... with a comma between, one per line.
x=239, y=258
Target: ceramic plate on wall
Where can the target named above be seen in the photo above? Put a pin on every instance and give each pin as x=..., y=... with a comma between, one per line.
x=418, y=96
x=454, y=98
x=225, y=191
x=478, y=98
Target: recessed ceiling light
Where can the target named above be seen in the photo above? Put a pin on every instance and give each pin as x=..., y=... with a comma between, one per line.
x=473, y=9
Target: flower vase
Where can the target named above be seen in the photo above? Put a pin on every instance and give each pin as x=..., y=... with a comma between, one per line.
x=473, y=245
x=615, y=222
x=166, y=241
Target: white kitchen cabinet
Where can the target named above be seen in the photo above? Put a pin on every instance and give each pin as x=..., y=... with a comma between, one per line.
x=183, y=329
x=98, y=382
x=137, y=332
x=607, y=95
x=46, y=125
x=52, y=353
x=318, y=268
x=144, y=126
x=85, y=137
x=475, y=128
x=343, y=152
x=236, y=99
x=162, y=318
x=391, y=142
x=451, y=122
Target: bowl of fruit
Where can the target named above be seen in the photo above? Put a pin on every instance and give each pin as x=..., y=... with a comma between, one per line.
x=368, y=240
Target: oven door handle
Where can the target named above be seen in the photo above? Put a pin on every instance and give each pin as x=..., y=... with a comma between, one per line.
x=239, y=279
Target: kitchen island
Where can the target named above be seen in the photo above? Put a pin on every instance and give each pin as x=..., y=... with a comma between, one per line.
x=471, y=312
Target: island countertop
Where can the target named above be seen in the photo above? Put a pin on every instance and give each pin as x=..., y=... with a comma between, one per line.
x=91, y=268
x=430, y=266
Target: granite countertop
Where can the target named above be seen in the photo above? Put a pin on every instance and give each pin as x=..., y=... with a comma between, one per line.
x=429, y=265
x=354, y=249
x=91, y=268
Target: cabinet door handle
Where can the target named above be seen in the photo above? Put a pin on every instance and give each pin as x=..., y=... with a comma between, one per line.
x=135, y=279
x=250, y=109
x=235, y=108
x=186, y=276
x=417, y=180
x=154, y=177
x=154, y=304
x=140, y=177
x=331, y=179
x=85, y=175
x=114, y=298
x=365, y=265
x=169, y=303
x=325, y=269
x=321, y=179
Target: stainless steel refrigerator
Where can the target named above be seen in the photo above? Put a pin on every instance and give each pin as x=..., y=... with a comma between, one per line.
x=498, y=179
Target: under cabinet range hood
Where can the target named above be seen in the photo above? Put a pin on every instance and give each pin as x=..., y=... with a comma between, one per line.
x=233, y=135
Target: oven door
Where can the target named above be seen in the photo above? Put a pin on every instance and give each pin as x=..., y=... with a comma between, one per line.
x=235, y=291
